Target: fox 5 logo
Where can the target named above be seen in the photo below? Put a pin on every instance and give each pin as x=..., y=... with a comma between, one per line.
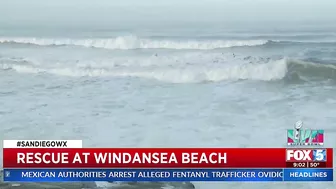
x=299, y=155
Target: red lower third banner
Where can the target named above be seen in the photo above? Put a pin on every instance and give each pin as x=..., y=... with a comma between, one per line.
x=167, y=158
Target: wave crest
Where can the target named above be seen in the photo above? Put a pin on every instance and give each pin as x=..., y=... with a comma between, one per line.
x=133, y=42
x=289, y=70
x=310, y=70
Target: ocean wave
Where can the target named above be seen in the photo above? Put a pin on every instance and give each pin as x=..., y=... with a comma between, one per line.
x=133, y=42
x=171, y=74
x=284, y=69
x=309, y=71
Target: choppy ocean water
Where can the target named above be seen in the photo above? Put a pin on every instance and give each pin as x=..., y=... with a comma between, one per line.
x=168, y=88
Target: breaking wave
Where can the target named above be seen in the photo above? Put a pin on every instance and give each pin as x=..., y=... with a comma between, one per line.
x=133, y=42
x=284, y=69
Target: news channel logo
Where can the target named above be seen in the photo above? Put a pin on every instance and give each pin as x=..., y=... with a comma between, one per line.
x=304, y=137
x=7, y=174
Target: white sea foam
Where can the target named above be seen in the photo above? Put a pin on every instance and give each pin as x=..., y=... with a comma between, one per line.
x=266, y=72
x=133, y=42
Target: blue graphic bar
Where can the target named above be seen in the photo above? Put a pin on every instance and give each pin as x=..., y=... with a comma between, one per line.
x=308, y=174
x=167, y=175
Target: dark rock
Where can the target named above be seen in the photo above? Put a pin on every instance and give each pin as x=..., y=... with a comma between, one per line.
x=44, y=185
x=92, y=185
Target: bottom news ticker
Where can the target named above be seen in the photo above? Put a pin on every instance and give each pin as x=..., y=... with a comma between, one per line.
x=72, y=163
x=178, y=175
